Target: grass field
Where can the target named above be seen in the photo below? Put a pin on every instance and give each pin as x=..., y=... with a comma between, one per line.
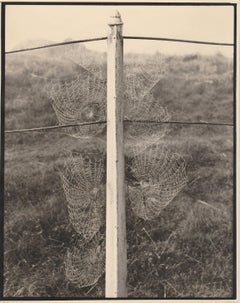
x=186, y=252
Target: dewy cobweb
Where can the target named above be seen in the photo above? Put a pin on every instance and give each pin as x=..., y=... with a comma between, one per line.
x=142, y=105
x=159, y=175
x=84, y=187
x=78, y=100
x=85, y=264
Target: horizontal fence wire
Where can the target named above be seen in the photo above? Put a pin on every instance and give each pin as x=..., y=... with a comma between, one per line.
x=177, y=40
x=53, y=127
x=55, y=44
x=124, y=37
x=181, y=122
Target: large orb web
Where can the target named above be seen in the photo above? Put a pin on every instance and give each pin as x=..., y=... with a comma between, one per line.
x=156, y=163
x=158, y=175
x=85, y=265
x=84, y=188
x=79, y=100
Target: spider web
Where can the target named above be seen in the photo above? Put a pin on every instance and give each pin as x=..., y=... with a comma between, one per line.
x=140, y=103
x=83, y=184
x=84, y=265
x=159, y=175
x=78, y=100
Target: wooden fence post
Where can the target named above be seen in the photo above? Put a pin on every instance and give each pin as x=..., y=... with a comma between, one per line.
x=116, y=248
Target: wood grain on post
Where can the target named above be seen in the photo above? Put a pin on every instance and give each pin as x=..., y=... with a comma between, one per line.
x=116, y=249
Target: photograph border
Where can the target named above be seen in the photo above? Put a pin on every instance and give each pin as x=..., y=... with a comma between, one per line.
x=234, y=4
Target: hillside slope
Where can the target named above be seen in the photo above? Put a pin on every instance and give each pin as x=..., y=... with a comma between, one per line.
x=188, y=250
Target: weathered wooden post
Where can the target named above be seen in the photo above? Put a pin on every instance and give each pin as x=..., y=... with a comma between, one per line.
x=116, y=248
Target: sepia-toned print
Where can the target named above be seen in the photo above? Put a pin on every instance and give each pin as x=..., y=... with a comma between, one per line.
x=119, y=151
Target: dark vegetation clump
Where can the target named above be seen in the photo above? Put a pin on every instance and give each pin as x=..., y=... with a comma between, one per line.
x=187, y=251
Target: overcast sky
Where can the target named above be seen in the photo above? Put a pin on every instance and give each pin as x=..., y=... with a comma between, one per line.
x=56, y=23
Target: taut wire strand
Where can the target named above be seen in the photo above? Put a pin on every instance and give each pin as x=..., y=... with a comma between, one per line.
x=178, y=40
x=53, y=127
x=125, y=37
x=55, y=44
x=181, y=122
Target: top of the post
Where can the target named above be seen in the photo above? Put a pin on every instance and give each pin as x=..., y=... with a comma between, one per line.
x=115, y=20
